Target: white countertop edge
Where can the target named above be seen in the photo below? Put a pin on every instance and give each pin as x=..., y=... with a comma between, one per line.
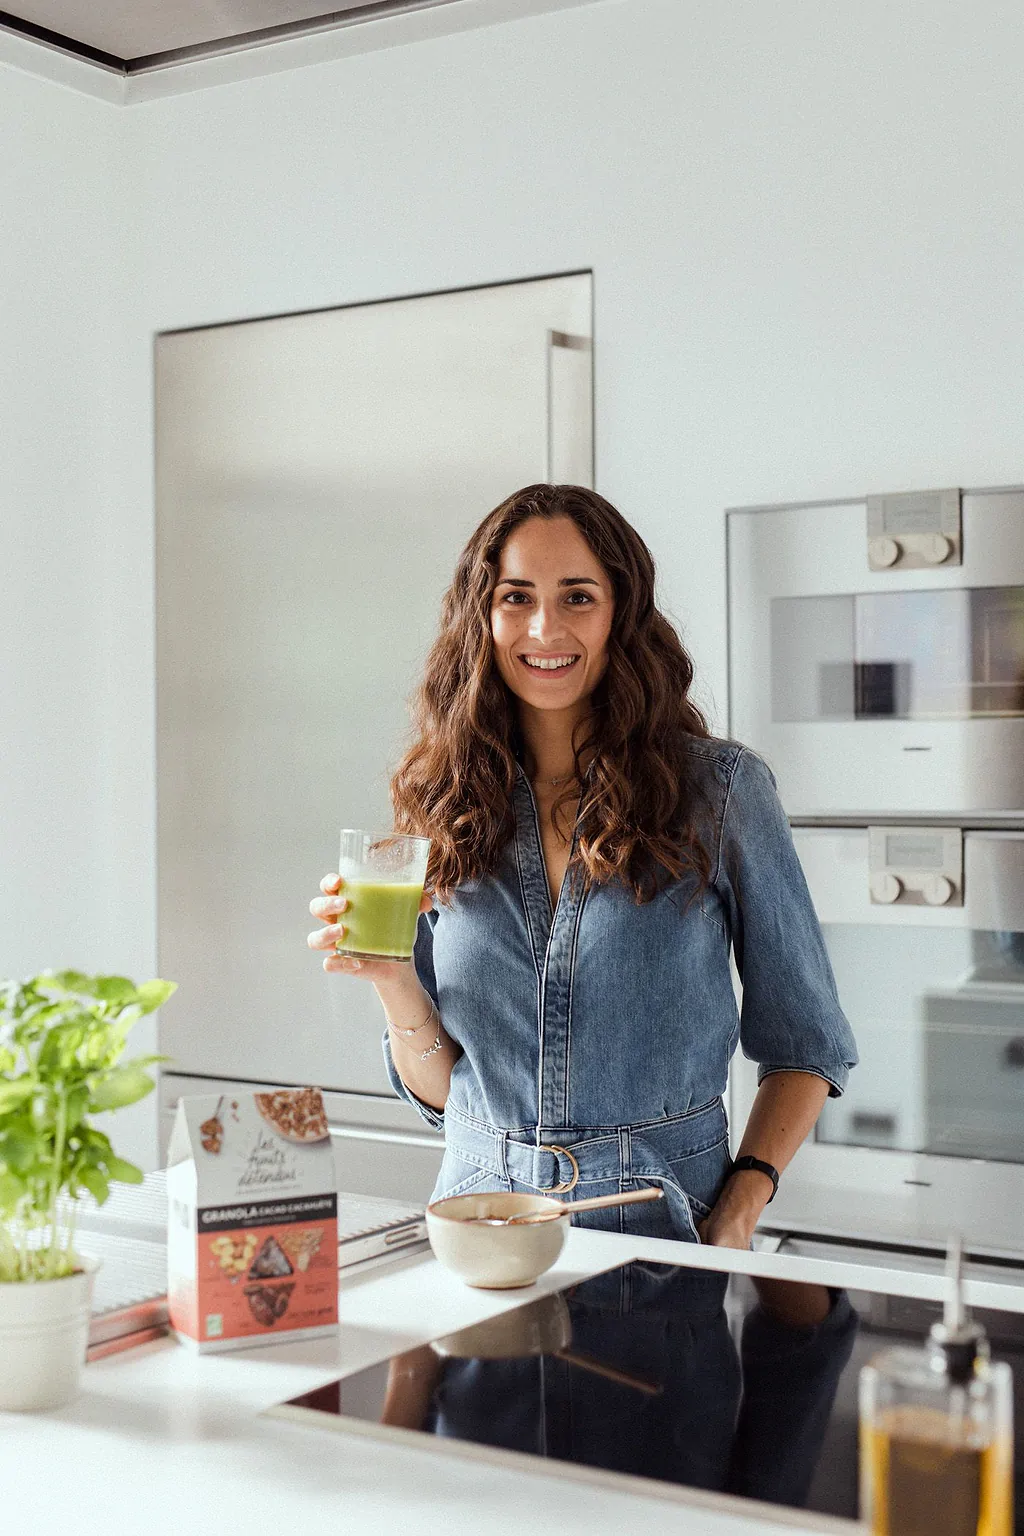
x=786, y=1516
x=848, y=1274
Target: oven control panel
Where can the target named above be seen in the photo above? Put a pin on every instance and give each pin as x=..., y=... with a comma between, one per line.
x=914, y=529
x=916, y=866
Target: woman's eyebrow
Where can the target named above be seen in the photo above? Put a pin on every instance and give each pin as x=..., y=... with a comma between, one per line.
x=566, y=581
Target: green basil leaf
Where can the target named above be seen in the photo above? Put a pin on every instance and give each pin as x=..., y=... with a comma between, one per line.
x=57, y=1051
x=95, y=1140
x=12, y=1190
x=14, y=1094
x=129, y=1015
x=152, y=994
x=72, y=981
x=92, y=1180
x=43, y=1111
x=125, y=1173
x=19, y=1150
x=115, y=989
x=77, y=1105
x=123, y=1085
x=102, y=1047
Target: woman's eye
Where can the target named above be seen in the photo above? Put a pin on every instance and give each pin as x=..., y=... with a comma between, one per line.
x=577, y=599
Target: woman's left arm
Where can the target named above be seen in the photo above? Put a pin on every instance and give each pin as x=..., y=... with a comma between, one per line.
x=783, y=1113
x=791, y=1022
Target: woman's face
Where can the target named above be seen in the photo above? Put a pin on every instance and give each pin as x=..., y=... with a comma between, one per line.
x=551, y=615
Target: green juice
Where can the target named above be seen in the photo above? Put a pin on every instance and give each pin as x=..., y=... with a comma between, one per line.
x=380, y=918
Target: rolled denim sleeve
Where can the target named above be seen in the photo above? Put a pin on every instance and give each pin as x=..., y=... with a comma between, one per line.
x=790, y=1019
x=423, y=960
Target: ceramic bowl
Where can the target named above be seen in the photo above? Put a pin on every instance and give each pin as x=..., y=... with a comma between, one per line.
x=495, y=1258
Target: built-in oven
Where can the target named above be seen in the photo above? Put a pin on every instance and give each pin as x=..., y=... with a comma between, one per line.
x=887, y=695
x=873, y=675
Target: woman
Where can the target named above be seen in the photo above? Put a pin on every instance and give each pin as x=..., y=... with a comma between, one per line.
x=570, y=1015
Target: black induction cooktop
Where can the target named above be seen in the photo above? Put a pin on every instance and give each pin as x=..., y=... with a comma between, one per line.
x=731, y=1383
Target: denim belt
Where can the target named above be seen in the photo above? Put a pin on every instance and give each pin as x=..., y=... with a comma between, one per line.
x=563, y=1157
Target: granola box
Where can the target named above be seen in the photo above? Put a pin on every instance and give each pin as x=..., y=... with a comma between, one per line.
x=252, y=1240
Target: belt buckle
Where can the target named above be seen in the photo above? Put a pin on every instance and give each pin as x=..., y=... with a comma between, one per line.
x=561, y=1189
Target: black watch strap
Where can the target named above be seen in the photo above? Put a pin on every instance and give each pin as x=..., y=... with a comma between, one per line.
x=757, y=1166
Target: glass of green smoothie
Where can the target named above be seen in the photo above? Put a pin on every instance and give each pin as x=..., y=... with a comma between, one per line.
x=383, y=876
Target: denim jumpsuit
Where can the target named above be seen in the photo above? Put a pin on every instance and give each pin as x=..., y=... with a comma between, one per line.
x=596, y=1038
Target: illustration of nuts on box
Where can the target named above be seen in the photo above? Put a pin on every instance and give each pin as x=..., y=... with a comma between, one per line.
x=252, y=1226
x=268, y=1303
x=271, y=1261
x=234, y=1252
x=302, y=1244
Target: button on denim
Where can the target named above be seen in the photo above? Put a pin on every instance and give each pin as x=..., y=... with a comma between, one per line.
x=604, y=1028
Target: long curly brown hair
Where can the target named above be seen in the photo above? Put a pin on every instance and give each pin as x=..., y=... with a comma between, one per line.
x=639, y=811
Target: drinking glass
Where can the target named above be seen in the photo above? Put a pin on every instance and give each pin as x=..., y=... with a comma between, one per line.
x=383, y=874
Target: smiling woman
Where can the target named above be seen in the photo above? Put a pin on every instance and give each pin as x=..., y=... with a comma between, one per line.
x=596, y=856
x=556, y=575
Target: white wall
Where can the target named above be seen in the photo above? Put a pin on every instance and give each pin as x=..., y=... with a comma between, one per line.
x=806, y=225
x=65, y=722
x=59, y=287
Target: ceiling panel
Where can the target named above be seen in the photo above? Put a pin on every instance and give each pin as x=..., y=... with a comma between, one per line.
x=136, y=29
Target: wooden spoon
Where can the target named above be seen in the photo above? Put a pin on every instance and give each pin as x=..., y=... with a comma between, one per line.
x=570, y=1207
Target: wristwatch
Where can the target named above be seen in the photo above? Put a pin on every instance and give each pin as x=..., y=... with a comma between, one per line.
x=743, y=1163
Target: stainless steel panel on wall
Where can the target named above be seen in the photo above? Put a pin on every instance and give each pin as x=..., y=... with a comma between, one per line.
x=897, y=690
x=316, y=476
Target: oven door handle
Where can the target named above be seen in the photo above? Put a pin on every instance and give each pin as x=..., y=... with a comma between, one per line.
x=393, y=1138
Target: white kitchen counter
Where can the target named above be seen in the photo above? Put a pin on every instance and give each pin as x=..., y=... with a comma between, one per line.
x=162, y=1440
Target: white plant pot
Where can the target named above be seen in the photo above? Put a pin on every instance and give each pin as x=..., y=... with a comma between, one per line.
x=44, y=1332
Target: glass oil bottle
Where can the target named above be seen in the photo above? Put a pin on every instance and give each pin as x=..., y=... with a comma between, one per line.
x=936, y=1432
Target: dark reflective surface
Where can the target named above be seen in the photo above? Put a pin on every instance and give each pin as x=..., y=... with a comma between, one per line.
x=651, y=1381
x=945, y=654
x=735, y=1384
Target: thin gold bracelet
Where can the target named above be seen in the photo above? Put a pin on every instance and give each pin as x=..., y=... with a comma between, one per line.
x=407, y=1033
x=431, y=1050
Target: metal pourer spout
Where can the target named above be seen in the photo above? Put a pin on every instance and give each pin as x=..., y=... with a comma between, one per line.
x=958, y=1342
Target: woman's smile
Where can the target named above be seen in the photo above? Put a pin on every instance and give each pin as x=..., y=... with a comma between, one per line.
x=550, y=666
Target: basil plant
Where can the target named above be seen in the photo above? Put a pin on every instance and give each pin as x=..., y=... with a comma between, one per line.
x=62, y=1038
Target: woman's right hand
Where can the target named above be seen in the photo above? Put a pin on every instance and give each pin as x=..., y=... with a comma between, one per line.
x=330, y=909
x=407, y=1006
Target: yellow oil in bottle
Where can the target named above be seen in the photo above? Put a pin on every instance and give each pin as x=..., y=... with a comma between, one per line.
x=930, y=1478
x=936, y=1426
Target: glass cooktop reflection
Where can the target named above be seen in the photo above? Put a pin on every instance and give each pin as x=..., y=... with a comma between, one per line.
x=728, y=1383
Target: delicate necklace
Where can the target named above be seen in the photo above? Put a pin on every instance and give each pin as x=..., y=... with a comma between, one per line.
x=564, y=779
